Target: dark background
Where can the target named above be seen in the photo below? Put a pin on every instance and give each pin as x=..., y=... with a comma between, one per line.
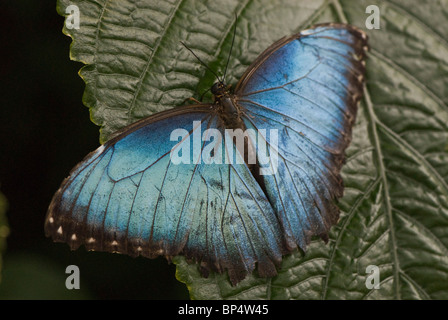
x=45, y=130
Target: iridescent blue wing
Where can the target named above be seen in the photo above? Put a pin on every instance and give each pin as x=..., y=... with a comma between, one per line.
x=306, y=87
x=130, y=196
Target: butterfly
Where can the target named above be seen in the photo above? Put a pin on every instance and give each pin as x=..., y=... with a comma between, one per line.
x=182, y=182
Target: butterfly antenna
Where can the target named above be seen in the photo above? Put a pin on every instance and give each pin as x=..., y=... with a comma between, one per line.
x=231, y=48
x=203, y=63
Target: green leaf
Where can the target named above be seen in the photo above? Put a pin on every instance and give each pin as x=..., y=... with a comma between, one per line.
x=4, y=229
x=395, y=207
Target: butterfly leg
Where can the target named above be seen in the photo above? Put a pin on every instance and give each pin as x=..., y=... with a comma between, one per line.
x=192, y=99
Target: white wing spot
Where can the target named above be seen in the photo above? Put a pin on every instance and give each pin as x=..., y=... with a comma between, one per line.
x=100, y=149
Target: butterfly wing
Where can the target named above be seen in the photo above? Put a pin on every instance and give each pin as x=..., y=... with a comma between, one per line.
x=306, y=87
x=130, y=196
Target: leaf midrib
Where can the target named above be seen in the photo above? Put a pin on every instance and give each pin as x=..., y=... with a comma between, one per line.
x=350, y=215
x=372, y=119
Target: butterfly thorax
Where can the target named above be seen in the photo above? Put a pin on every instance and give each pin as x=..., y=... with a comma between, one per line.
x=230, y=111
x=231, y=114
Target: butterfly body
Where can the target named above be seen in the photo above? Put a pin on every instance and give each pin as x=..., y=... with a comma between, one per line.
x=178, y=182
x=230, y=111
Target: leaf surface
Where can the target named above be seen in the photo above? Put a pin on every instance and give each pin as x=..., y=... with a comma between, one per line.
x=395, y=207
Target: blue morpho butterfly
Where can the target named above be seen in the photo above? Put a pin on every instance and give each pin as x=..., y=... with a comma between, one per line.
x=167, y=184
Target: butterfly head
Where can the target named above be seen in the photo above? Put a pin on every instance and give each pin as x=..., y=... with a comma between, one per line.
x=220, y=89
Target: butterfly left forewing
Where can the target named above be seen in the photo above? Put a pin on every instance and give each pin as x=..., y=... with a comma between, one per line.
x=94, y=203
